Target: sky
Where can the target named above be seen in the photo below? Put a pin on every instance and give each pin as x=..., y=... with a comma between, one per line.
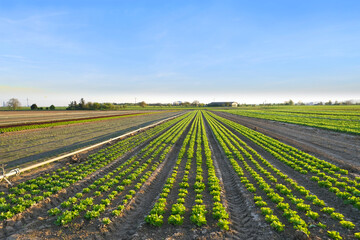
x=53, y=52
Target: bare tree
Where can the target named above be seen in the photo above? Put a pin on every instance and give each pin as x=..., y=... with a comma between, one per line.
x=13, y=104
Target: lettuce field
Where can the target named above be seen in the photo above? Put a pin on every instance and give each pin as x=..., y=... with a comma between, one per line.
x=201, y=175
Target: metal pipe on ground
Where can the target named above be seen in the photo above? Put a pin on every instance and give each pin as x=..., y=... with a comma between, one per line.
x=18, y=171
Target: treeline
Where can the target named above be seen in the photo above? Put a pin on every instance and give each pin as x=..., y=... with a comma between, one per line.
x=292, y=103
x=14, y=104
x=82, y=105
x=35, y=107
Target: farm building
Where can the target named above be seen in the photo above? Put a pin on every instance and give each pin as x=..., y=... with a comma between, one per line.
x=223, y=104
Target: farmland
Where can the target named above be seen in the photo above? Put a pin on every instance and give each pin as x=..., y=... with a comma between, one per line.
x=201, y=175
x=337, y=118
x=25, y=147
x=21, y=122
x=19, y=117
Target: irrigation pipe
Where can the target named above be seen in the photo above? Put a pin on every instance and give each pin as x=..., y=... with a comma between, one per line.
x=18, y=171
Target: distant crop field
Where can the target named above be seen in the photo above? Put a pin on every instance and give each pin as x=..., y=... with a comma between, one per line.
x=23, y=122
x=24, y=147
x=199, y=175
x=337, y=118
x=18, y=117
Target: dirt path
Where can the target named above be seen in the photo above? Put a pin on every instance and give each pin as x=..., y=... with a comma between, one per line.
x=335, y=147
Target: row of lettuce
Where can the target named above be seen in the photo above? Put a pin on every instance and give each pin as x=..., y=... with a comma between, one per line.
x=341, y=123
x=192, y=188
x=325, y=174
x=194, y=158
x=109, y=192
x=114, y=191
x=282, y=200
x=32, y=191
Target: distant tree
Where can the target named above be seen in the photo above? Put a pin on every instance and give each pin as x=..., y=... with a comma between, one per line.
x=290, y=102
x=142, y=104
x=328, y=103
x=107, y=106
x=96, y=106
x=13, y=104
x=195, y=103
x=72, y=105
x=34, y=107
x=186, y=104
x=52, y=107
x=82, y=104
x=89, y=105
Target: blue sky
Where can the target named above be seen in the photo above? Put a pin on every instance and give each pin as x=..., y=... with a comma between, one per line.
x=53, y=52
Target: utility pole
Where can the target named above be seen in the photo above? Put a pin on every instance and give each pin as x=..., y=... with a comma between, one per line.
x=27, y=100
